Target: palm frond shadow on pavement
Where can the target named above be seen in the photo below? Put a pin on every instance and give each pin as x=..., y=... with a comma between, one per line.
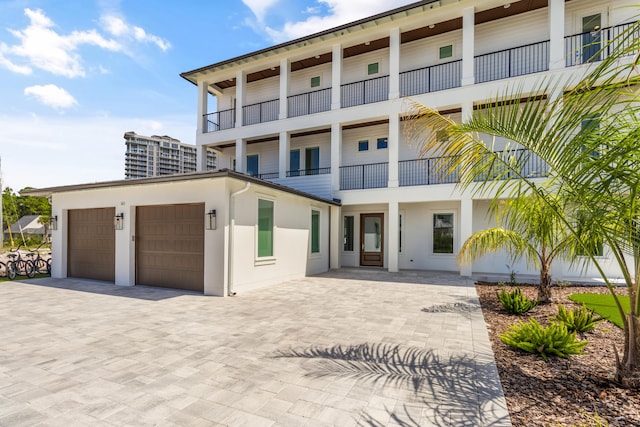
x=455, y=391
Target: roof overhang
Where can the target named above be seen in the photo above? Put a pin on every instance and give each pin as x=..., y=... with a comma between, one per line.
x=224, y=173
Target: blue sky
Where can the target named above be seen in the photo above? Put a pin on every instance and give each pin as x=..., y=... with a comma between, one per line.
x=76, y=74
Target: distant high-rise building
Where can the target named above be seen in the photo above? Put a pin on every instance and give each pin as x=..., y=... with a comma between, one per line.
x=160, y=155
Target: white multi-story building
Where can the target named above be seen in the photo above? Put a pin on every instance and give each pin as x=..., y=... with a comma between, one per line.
x=323, y=114
x=148, y=156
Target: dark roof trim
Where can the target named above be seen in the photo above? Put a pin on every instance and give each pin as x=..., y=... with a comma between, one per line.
x=224, y=173
x=401, y=9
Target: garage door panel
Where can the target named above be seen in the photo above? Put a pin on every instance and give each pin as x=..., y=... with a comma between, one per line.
x=91, y=244
x=170, y=246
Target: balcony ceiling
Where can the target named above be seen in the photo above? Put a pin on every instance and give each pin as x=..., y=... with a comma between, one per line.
x=481, y=17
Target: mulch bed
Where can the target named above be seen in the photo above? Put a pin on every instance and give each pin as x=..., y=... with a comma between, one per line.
x=560, y=392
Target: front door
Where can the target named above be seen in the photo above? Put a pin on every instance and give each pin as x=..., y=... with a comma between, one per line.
x=372, y=239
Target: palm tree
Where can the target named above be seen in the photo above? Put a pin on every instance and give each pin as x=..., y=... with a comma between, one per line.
x=529, y=230
x=587, y=132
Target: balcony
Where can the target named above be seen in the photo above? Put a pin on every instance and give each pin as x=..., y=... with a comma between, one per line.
x=220, y=120
x=507, y=63
x=587, y=47
x=517, y=61
x=431, y=79
x=261, y=112
x=309, y=102
x=365, y=92
x=423, y=172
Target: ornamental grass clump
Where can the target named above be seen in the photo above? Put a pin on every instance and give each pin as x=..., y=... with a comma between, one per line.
x=579, y=319
x=553, y=340
x=515, y=302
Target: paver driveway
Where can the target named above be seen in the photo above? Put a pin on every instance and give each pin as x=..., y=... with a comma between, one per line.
x=350, y=347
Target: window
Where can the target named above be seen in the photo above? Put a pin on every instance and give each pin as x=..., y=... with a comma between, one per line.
x=265, y=228
x=252, y=165
x=312, y=160
x=347, y=240
x=294, y=163
x=443, y=233
x=382, y=143
x=363, y=145
x=446, y=51
x=373, y=68
x=591, y=125
x=315, y=81
x=315, y=232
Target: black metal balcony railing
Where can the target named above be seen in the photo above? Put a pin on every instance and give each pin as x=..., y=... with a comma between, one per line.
x=309, y=102
x=357, y=177
x=588, y=47
x=365, y=92
x=425, y=172
x=517, y=61
x=220, y=120
x=306, y=172
x=267, y=175
x=261, y=112
x=513, y=62
x=431, y=79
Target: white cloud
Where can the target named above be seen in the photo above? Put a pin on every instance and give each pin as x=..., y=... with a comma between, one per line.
x=42, y=47
x=339, y=12
x=259, y=7
x=118, y=27
x=51, y=95
x=9, y=65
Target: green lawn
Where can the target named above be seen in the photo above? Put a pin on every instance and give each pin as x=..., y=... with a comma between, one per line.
x=38, y=276
x=604, y=305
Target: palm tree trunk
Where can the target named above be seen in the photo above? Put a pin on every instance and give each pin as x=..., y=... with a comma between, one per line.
x=629, y=370
x=544, y=288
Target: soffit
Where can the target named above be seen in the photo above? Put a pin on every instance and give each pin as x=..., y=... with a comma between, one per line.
x=481, y=16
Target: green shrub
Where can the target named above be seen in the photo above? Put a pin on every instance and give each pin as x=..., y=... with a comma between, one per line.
x=515, y=302
x=553, y=340
x=577, y=320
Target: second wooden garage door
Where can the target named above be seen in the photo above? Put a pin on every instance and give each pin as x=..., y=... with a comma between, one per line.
x=170, y=246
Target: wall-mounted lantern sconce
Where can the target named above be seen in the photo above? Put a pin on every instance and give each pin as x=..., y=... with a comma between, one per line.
x=210, y=220
x=53, y=222
x=118, y=221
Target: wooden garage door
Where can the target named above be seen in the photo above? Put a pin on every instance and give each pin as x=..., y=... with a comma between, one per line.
x=170, y=246
x=91, y=244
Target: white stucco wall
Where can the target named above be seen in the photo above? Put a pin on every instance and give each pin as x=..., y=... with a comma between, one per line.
x=293, y=258
x=125, y=199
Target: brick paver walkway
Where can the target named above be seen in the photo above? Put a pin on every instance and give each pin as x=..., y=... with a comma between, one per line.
x=350, y=347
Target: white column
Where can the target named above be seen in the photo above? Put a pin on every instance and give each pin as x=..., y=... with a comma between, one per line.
x=556, y=34
x=466, y=230
x=201, y=158
x=334, y=249
x=283, y=154
x=284, y=88
x=336, y=154
x=468, y=45
x=393, y=236
x=336, y=76
x=393, y=147
x=394, y=63
x=467, y=111
x=241, y=155
x=240, y=96
x=203, y=99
